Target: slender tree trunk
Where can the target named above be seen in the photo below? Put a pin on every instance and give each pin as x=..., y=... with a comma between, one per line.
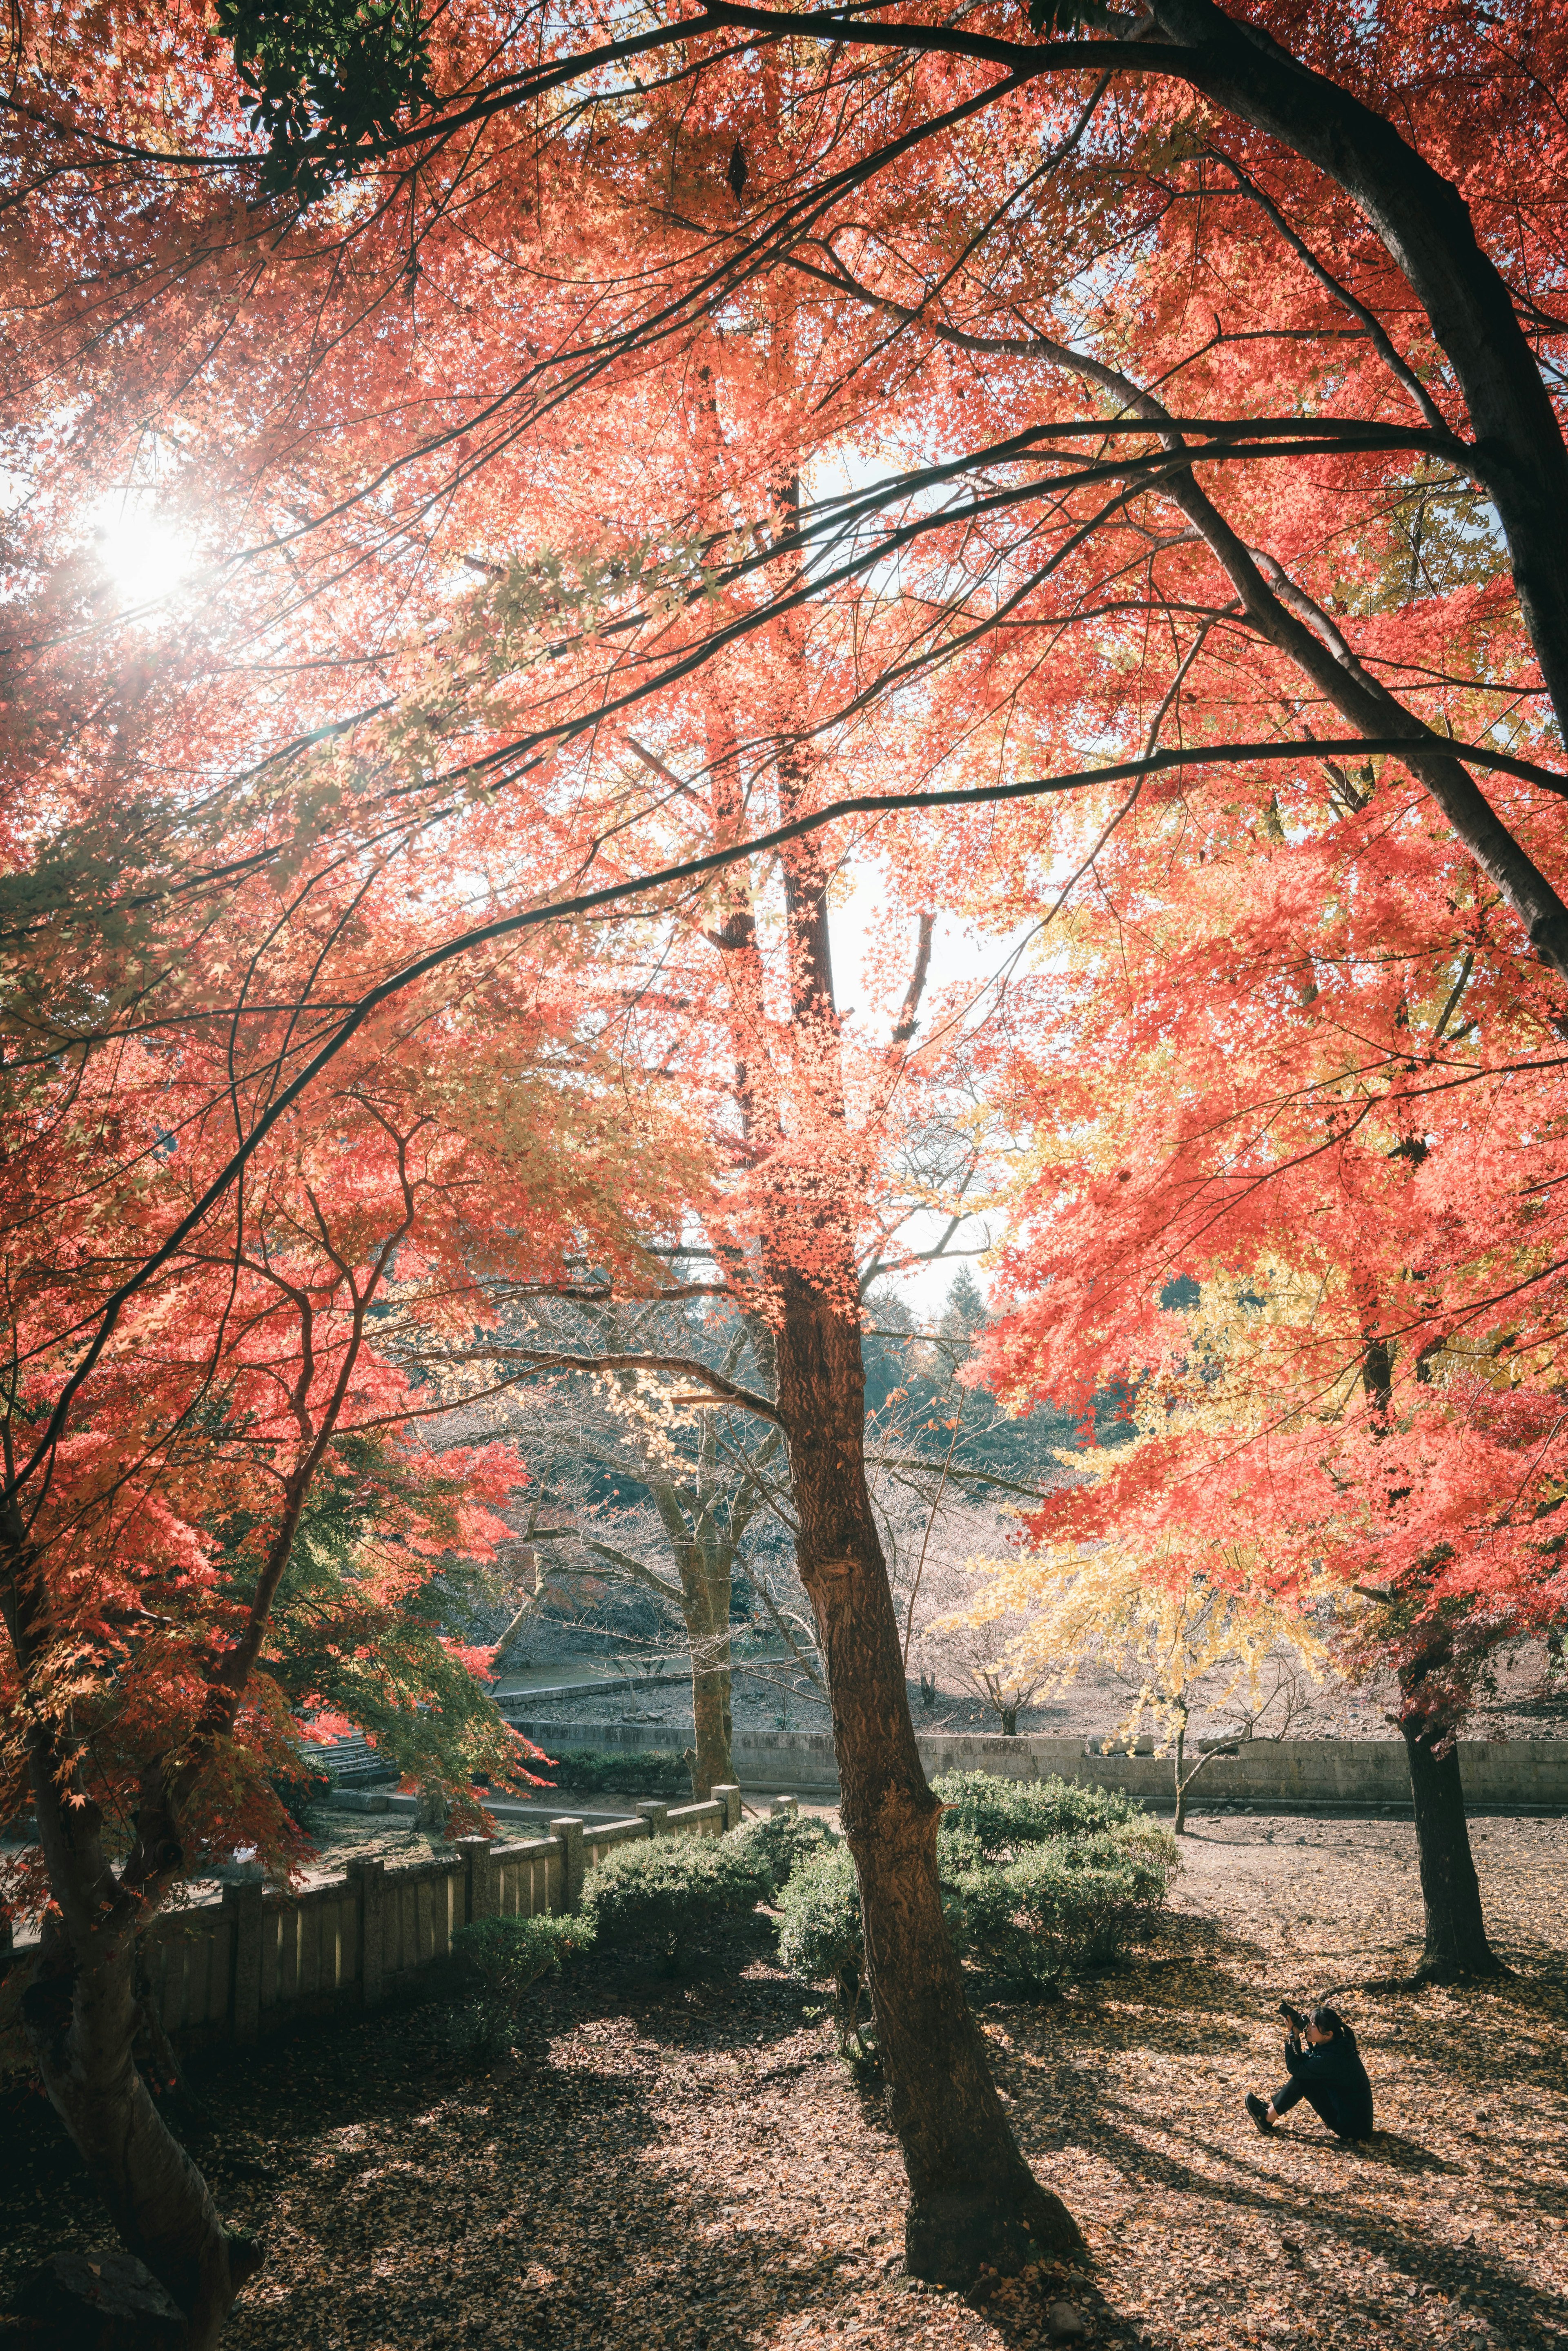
x=1180, y=1783
x=1456, y=1941
x=705, y=1585
x=714, y=1767
x=973, y=2199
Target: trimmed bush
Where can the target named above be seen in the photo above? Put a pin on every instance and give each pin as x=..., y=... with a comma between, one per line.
x=990, y=1819
x=782, y=1842
x=585, y=1771
x=1039, y=1880
x=822, y=1938
x=663, y=1895
x=506, y=1957
x=1062, y=1907
x=510, y=1954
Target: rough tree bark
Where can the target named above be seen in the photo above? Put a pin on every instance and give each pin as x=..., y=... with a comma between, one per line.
x=973, y=2199
x=1456, y=1941
x=705, y=1602
x=1429, y=1720
x=81, y=2015
x=80, y=2010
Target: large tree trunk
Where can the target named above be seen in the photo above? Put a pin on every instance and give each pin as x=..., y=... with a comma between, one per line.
x=80, y=2009
x=82, y=2016
x=973, y=2199
x=1456, y=1941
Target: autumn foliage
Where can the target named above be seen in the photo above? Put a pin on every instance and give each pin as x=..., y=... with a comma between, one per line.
x=504, y=513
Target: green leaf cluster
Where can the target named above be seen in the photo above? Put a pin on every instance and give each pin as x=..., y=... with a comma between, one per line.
x=330, y=78
x=662, y=1895
x=509, y=1955
x=338, y=1642
x=585, y=1771
x=504, y=1959
x=1041, y=1880
x=987, y=1818
x=780, y=1844
x=821, y=1938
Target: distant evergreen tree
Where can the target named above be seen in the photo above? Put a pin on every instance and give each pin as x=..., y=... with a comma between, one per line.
x=915, y=1392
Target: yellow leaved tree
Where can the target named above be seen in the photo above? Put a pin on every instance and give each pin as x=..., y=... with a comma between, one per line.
x=1180, y=1639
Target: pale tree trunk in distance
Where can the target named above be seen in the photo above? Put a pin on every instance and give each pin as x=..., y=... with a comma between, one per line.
x=705, y=1578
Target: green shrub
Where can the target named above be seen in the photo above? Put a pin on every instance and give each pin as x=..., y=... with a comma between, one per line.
x=1059, y=1908
x=821, y=1938
x=510, y=1954
x=504, y=1957
x=585, y=1771
x=1152, y=1847
x=780, y=1844
x=662, y=1893
x=990, y=1819
x=1039, y=1880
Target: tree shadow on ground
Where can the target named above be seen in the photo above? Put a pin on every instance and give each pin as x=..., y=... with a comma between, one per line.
x=1183, y=2159
x=1396, y=2154
x=409, y=2199
x=565, y=2200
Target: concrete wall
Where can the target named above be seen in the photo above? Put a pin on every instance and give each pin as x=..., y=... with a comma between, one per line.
x=1504, y=1774
x=251, y=1959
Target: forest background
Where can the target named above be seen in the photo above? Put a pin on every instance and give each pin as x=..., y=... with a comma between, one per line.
x=507, y=518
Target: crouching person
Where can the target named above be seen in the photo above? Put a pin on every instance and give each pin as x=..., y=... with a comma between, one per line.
x=1322, y=2066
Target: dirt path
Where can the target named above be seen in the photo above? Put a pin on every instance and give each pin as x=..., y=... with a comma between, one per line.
x=685, y=2167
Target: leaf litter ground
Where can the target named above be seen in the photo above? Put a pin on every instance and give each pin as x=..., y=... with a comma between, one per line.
x=686, y=2163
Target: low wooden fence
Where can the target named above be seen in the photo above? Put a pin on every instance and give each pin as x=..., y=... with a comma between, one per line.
x=252, y=1960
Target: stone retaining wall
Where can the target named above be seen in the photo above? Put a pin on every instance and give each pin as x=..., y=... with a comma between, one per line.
x=250, y=1960
x=1311, y=1774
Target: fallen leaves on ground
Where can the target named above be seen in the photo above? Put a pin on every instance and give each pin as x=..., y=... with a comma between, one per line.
x=687, y=2164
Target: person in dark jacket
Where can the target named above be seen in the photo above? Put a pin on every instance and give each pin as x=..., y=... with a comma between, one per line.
x=1322, y=2066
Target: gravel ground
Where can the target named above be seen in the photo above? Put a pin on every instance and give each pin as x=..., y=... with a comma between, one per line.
x=686, y=2163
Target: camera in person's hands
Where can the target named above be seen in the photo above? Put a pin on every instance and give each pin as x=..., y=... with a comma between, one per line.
x=1294, y=2017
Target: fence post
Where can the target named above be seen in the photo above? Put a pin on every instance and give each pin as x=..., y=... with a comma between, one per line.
x=242, y=1902
x=656, y=1815
x=572, y=1859
x=481, y=1877
x=368, y=1875
x=785, y=1808
x=729, y=1797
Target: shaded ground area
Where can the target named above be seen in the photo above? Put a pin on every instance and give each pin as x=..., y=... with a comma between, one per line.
x=687, y=2164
